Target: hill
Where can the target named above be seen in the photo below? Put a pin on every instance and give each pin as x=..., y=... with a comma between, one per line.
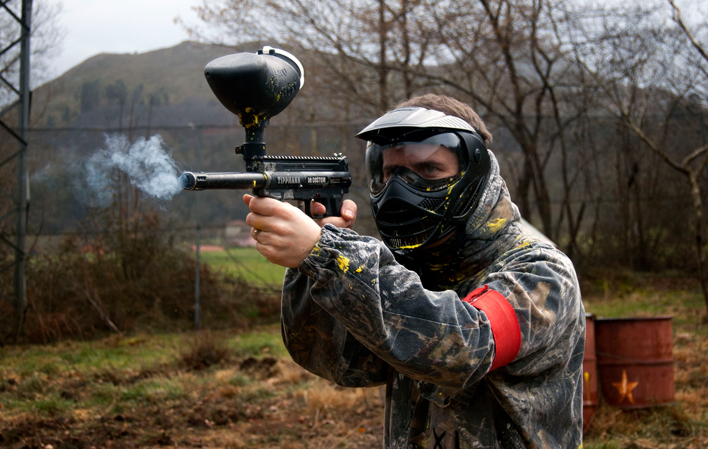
x=161, y=92
x=89, y=95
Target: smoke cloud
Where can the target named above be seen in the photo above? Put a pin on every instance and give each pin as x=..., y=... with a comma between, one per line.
x=148, y=165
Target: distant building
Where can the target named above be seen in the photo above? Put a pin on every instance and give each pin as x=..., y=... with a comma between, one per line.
x=208, y=248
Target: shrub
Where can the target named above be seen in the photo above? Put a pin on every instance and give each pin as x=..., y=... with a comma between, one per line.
x=203, y=349
x=121, y=275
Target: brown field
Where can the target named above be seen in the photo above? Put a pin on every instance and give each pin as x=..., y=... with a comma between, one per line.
x=241, y=390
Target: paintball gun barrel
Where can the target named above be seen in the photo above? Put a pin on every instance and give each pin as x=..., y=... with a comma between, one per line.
x=303, y=178
x=257, y=86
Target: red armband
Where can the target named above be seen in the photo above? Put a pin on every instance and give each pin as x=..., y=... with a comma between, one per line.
x=502, y=318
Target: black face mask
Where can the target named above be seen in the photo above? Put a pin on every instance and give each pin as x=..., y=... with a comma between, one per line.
x=412, y=207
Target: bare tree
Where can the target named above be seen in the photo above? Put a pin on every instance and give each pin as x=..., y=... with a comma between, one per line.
x=46, y=39
x=345, y=40
x=505, y=58
x=649, y=72
x=352, y=52
x=502, y=56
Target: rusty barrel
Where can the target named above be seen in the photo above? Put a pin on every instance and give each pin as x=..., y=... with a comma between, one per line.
x=590, y=398
x=635, y=361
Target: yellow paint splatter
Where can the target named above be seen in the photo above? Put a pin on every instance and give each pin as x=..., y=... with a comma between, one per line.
x=524, y=244
x=360, y=269
x=315, y=251
x=408, y=247
x=373, y=282
x=496, y=225
x=343, y=263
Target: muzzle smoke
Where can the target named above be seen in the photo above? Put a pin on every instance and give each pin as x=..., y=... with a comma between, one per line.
x=146, y=163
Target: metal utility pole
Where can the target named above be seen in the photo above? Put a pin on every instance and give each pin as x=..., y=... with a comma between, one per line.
x=197, y=323
x=20, y=201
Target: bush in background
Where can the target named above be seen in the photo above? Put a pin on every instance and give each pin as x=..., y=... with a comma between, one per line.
x=121, y=276
x=203, y=349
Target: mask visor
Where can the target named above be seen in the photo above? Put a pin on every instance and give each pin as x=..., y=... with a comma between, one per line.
x=425, y=162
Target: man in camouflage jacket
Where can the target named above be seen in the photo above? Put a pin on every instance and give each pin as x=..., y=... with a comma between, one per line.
x=487, y=356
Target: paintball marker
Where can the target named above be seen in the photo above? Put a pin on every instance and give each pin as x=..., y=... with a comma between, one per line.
x=256, y=87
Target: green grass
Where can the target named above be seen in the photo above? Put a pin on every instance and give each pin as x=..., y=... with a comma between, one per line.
x=686, y=307
x=603, y=445
x=153, y=391
x=246, y=263
x=52, y=405
x=239, y=380
x=89, y=357
x=117, y=373
x=104, y=393
x=130, y=354
x=257, y=343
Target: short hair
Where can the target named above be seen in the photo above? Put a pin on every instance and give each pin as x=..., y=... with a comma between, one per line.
x=450, y=106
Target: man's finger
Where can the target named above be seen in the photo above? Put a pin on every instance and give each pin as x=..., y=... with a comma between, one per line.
x=265, y=206
x=251, y=221
x=347, y=212
x=317, y=208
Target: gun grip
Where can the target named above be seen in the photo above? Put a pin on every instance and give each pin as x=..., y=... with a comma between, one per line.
x=333, y=205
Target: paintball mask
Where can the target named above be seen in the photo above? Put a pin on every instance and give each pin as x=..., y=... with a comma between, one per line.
x=426, y=170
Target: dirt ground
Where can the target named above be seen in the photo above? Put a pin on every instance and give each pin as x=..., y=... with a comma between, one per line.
x=265, y=403
x=272, y=403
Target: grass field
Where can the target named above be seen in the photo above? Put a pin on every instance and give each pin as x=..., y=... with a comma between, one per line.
x=235, y=390
x=142, y=392
x=246, y=263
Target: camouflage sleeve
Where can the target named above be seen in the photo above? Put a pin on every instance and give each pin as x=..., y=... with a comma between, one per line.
x=426, y=335
x=320, y=343
x=540, y=283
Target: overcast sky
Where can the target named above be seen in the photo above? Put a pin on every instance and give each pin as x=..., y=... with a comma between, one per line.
x=118, y=26
x=126, y=26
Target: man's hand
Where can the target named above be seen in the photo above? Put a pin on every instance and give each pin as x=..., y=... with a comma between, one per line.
x=284, y=234
x=347, y=219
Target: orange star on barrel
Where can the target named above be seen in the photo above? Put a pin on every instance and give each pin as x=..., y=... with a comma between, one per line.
x=625, y=388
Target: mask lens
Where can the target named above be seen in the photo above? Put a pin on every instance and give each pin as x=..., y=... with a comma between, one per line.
x=423, y=161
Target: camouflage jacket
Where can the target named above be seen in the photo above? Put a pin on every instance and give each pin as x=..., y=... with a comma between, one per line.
x=353, y=315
